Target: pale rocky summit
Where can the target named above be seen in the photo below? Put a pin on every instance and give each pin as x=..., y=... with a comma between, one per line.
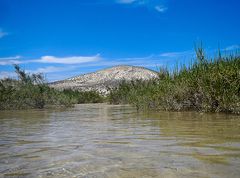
x=102, y=80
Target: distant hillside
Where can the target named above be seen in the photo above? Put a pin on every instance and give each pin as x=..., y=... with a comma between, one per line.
x=103, y=79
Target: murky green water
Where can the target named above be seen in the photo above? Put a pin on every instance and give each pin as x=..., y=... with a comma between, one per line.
x=116, y=141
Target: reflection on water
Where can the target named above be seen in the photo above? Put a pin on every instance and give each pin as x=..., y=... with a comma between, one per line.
x=115, y=141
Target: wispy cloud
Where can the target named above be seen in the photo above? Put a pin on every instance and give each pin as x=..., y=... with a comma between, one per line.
x=232, y=48
x=50, y=72
x=96, y=60
x=161, y=8
x=7, y=74
x=176, y=54
x=153, y=60
x=158, y=5
x=51, y=69
x=57, y=68
x=51, y=60
x=10, y=60
x=68, y=60
x=150, y=61
x=126, y=1
x=2, y=33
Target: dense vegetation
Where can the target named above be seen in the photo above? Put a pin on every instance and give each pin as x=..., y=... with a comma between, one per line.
x=81, y=97
x=208, y=85
x=31, y=91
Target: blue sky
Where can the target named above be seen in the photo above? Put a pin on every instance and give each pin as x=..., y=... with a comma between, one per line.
x=63, y=38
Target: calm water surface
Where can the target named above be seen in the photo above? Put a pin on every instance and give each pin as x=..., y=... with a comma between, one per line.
x=115, y=141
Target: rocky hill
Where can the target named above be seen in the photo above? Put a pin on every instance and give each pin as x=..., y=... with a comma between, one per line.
x=103, y=79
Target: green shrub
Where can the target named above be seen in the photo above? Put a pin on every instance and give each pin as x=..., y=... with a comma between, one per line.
x=207, y=85
x=84, y=96
x=29, y=91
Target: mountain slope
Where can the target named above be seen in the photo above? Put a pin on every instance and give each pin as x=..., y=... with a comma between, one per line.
x=103, y=79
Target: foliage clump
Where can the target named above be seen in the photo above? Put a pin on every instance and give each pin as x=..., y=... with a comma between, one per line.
x=81, y=97
x=31, y=91
x=208, y=85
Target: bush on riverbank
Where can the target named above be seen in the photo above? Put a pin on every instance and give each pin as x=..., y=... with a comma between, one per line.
x=207, y=85
x=30, y=91
x=81, y=97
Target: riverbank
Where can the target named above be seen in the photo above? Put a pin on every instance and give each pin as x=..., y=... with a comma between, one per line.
x=30, y=91
x=208, y=85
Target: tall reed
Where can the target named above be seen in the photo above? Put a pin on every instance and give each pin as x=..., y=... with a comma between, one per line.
x=207, y=85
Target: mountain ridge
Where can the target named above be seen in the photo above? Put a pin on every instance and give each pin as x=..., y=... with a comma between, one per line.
x=106, y=78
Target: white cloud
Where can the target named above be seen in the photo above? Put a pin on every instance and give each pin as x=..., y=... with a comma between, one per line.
x=160, y=8
x=6, y=74
x=157, y=5
x=176, y=54
x=2, y=33
x=147, y=61
x=10, y=60
x=75, y=64
x=232, y=48
x=68, y=60
x=51, y=69
x=126, y=1
x=51, y=59
x=170, y=54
